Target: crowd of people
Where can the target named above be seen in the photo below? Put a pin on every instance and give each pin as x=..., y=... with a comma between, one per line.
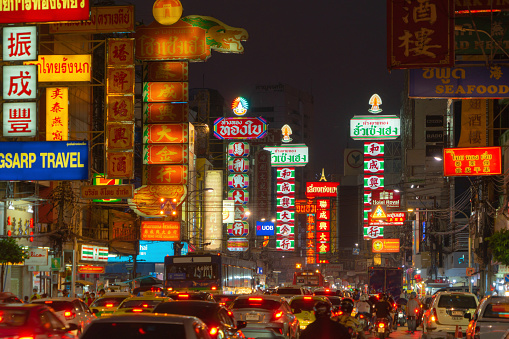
x=87, y=297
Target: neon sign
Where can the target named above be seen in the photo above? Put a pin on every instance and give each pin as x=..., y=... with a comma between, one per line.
x=240, y=106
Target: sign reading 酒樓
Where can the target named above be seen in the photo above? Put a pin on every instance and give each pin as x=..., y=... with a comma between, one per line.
x=288, y=155
x=63, y=68
x=472, y=161
x=375, y=127
x=240, y=128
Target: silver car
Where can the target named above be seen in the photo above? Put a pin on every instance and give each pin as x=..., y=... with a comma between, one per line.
x=69, y=310
x=143, y=326
x=266, y=316
x=491, y=319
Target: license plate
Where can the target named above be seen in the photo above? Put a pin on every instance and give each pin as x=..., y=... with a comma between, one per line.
x=460, y=313
x=400, y=315
x=255, y=317
x=381, y=330
x=457, y=318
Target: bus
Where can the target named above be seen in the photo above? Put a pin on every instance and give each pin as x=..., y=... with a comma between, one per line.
x=308, y=278
x=215, y=273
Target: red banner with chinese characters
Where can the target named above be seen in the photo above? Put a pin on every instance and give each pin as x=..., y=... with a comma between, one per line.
x=91, y=269
x=51, y=11
x=154, y=113
x=119, y=165
x=119, y=136
x=472, y=161
x=166, y=71
x=165, y=174
x=120, y=80
x=120, y=108
x=420, y=34
x=154, y=154
x=166, y=133
x=160, y=230
x=165, y=92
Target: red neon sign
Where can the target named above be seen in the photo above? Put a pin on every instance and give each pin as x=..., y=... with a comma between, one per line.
x=472, y=161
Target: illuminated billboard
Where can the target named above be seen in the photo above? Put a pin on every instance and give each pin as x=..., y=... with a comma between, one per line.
x=472, y=161
x=375, y=127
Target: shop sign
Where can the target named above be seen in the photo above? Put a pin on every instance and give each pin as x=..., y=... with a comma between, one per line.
x=109, y=19
x=165, y=154
x=63, y=68
x=265, y=228
x=160, y=230
x=285, y=173
x=238, y=244
x=322, y=247
x=168, y=133
x=40, y=11
x=374, y=149
x=284, y=202
x=213, y=206
x=239, y=197
x=435, y=136
x=238, y=181
x=119, y=136
x=373, y=232
x=166, y=174
x=91, y=269
x=305, y=206
x=323, y=215
x=159, y=112
x=120, y=108
x=321, y=189
x=238, y=149
x=120, y=52
x=240, y=128
x=434, y=150
x=57, y=113
x=240, y=106
x=119, y=165
x=19, y=43
x=373, y=182
x=166, y=71
x=385, y=246
x=238, y=229
x=238, y=165
x=323, y=225
x=44, y=160
x=165, y=92
x=37, y=256
x=285, y=230
x=94, y=253
x=285, y=188
x=393, y=219
x=228, y=211
x=100, y=179
x=375, y=127
x=285, y=216
x=373, y=165
x=408, y=25
x=19, y=119
x=323, y=204
x=472, y=161
x=107, y=193
x=469, y=42
x=19, y=82
x=146, y=200
x=434, y=121
x=120, y=80
x=323, y=237
x=288, y=155
x=390, y=198
x=460, y=82
x=241, y=212
x=285, y=244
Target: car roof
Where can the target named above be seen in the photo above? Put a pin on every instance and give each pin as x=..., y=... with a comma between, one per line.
x=454, y=293
x=307, y=297
x=56, y=299
x=202, y=303
x=22, y=306
x=263, y=296
x=148, y=318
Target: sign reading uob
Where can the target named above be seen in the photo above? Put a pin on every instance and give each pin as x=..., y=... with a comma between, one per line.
x=264, y=228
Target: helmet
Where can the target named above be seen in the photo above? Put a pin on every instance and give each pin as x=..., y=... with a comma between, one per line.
x=364, y=297
x=346, y=307
x=413, y=295
x=322, y=309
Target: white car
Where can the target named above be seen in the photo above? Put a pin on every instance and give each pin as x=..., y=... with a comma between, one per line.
x=289, y=291
x=144, y=326
x=69, y=310
x=448, y=310
x=490, y=320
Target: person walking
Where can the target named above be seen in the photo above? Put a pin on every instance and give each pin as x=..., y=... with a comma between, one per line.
x=35, y=295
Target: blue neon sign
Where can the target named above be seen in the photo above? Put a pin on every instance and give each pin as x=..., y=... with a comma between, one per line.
x=265, y=228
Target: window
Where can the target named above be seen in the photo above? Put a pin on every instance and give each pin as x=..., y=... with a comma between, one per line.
x=457, y=301
x=498, y=310
x=134, y=330
x=255, y=302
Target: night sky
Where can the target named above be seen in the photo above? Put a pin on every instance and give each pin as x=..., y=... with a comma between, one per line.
x=334, y=49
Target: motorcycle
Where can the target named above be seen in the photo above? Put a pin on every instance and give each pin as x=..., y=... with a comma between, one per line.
x=412, y=324
x=400, y=315
x=365, y=321
x=382, y=330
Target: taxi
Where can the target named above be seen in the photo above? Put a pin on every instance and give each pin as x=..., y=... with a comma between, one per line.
x=302, y=308
x=108, y=303
x=144, y=303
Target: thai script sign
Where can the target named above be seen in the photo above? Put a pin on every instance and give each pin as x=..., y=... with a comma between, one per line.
x=419, y=37
x=472, y=161
x=166, y=71
x=238, y=244
x=321, y=189
x=19, y=82
x=107, y=191
x=57, y=113
x=305, y=206
x=166, y=133
x=19, y=43
x=110, y=19
x=19, y=119
x=165, y=154
x=43, y=11
x=91, y=269
x=94, y=253
x=288, y=155
x=165, y=92
x=390, y=198
x=393, y=219
x=460, y=82
x=471, y=42
x=385, y=246
x=159, y=112
x=44, y=160
x=240, y=128
x=160, y=230
x=63, y=68
x=375, y=127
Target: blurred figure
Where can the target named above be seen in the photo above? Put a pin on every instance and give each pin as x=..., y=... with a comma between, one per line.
x=35, y=295
x=383, y=309
x=26, y=299
x=351, y=323
x=44, y=295
x=324, y=327
x=413, y=308
x=102, y=292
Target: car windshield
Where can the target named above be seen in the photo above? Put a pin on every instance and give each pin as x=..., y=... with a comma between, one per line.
x=457, y=301
x=107, y=302
x=325, y=293
x=190, y=296
x=498, y=310
x=13, y=318
x=134, y=330
x=256, y=303
x=181, y=308
x=299, y=305
x=140, y=303
x=56, y=305
x=293, y=291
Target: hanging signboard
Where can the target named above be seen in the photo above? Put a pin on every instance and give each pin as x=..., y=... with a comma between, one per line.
x=19, y=82
x=374, y=149
x=166, y=174
x=94, y=253
x=469, y=42
x=373, y=166
x=165, y=154
x=19, y=43
x=19, y=119
x=239, y=196
x=63, y=68
x=160, y=230
x=108, y=19
x=160, y=112
x=238, y=149
x=228, y=211
x=37, y=256
x=265, y=228
x=373, y=232
x=472, y=161
x=385, y=246
x=165, y=92
x=101, y=192
x=240, y=128
x=238, y=244
x=119, y=108
x=238, y=181
x=285, y=244
x=373, y=182
x=321, y=189
x=166, y=71
x=238, y=165
x=89, y=269
x=305, y=206
x=167, y=133
x=375, y=127
x=393, y=219
x=51, y=11
x=288, y=155
x=435, y=136
x=57, y=113
x=390, y=198
x=434, y=121
x=238, y=229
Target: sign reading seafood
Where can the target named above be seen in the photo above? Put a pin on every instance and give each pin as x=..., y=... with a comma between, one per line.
x=240, y=128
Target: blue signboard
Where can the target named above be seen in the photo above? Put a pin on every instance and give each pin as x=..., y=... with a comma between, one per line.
x=44, y=160
x=265, y=228
x=460, y=82
x=153, y=251
x=259, y=270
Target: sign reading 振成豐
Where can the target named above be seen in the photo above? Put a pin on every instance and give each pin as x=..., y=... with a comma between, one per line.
x=375, y=127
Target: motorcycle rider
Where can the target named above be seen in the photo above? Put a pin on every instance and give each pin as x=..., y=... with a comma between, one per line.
x=345, y=318
x=413, y=308
x=383, y=309
x=364, y=307
x=324, y=327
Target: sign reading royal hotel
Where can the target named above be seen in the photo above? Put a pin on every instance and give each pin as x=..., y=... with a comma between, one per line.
x=321, y=189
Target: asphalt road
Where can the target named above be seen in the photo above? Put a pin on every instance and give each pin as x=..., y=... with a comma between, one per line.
x=401, y=333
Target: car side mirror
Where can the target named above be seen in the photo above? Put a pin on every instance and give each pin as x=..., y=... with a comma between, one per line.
x=467, y=316
x=241, y=324
x=71, y=327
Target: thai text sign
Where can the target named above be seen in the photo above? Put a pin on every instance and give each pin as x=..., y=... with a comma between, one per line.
x=63, y=68
x=375, y=127
x=469, y=42
x=420, y=35
x=240, y=128
x=160, y=230
x=94, y=253
x=389, y=198
x=44, y=160
x=19, y=82
x=472, y=161
x=43, y=11
x=460, y=82
x=288, y=155
x=110, y=19
x=321, y=189
x=165, y=92
x=107, y=191
x=385, y=246
x=19, y=119
x=20, y=43
x=166, y=133
x=305, y=206
x=91, y=269
x=393, y=219
x=57, y=113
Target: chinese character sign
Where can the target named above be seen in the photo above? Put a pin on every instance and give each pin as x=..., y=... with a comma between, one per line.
x=19, y=82
x=57, y=113
x=374, y=149
x=285, y=208
x=120, y=52
x=472, y=161
x=20, y=43
x=19, y=119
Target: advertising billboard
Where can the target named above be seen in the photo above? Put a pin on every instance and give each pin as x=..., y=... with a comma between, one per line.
x=375, y=127
x=385, y=246
x=288, y=155
x=472, y=161
x=265, y=228
x=40, y=11
x=213, y=206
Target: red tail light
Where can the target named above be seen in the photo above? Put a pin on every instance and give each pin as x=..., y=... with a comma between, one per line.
x=1, y=316
x=25, y=337
x=213, y=331
x=417, y=310
x=340, y=312
x=308, y=298
x=434, y=315
x=381, y=325
x=277, y=315
x=183, y=295
x=69, y=315
x=137, y=310
x=214, y=288
x=361, y=316
x=48, y=302
x=327, y=290
x=395, y=305
x=255, y=299
x=144, y=305
x=170, y=288
x=109, y=305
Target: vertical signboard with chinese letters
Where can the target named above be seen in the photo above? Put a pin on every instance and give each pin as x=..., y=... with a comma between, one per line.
x=285, y=235
x=323, y=234
x=20, y=43
x=213, y=206
x=311, y=238
x=57, y=113
x=20, y=82
x=20, y=119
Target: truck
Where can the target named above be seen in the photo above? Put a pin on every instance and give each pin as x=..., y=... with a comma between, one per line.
x=385, y=279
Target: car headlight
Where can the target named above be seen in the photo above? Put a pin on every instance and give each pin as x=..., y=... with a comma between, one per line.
x=302, y=327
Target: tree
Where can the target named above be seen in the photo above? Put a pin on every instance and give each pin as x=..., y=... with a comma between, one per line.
x=10, y=252
x=499, y=246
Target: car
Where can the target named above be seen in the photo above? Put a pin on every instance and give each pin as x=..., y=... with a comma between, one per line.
x=266, y=316
x=69, y=310
x=108, y=303
x=325, y=291
x=490, y=320
x=219, y=320
x=147, y=325
x=141, y=304
x=302, y=307
x=9, y=298
x=290, y=291
x=33, y=321
x=225, y=299
x=448, y=310
x=205, y=296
